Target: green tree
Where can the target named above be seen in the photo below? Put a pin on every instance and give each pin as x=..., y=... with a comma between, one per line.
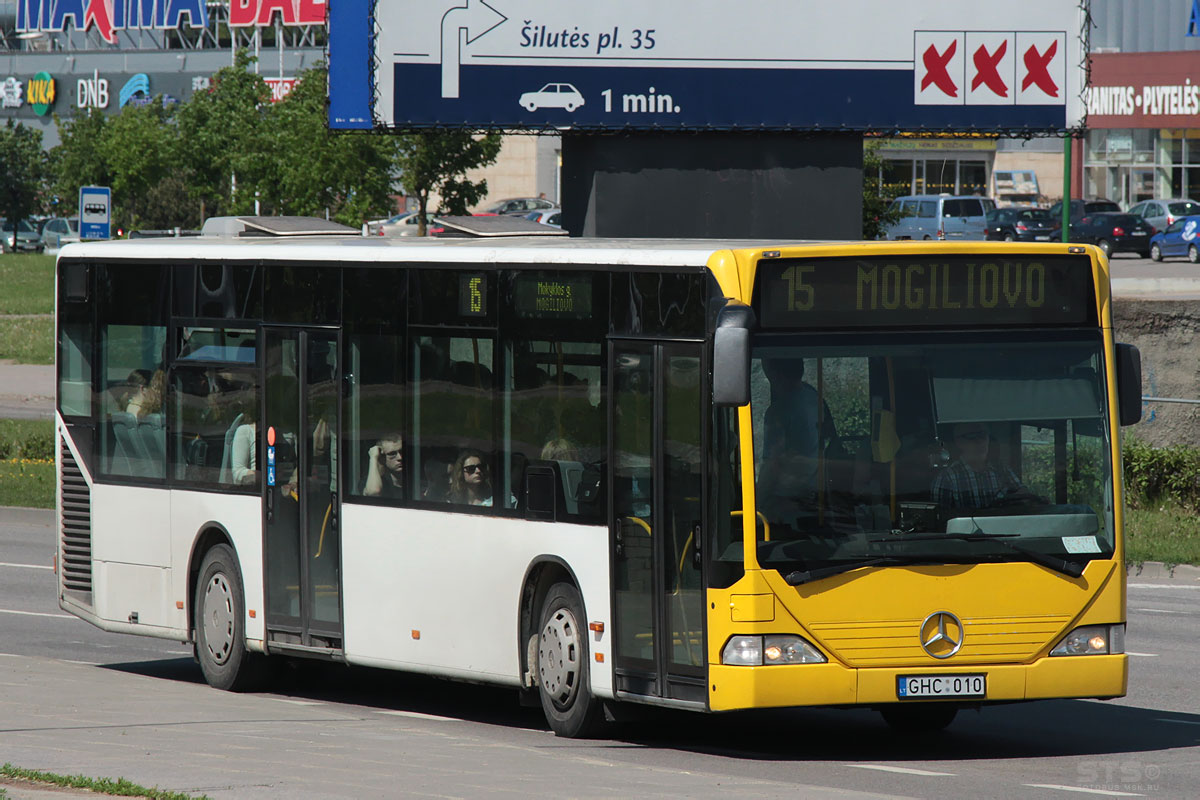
x=139, y=150
x=78, y=159
x=311, y=171
x=23, y=172
x=220, y=139
x=877, y=211
x=438, y=161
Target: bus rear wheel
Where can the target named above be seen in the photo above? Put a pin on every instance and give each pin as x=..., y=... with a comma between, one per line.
x=562, y=665
x=220, y=620
x=919, y=717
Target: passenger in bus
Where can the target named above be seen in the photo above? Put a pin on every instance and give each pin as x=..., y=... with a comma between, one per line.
x=244, y=455
x=149, y=388
x=385, y=468
x=974, y=480
x=559, y=449
x=470, y=483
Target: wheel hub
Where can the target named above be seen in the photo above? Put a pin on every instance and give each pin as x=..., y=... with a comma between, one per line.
x=218, y=618
x=559, y=649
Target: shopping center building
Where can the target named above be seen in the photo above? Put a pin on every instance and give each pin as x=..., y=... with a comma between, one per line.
x=60, y=56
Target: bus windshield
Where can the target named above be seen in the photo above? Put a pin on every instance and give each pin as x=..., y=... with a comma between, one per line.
x=930, y=448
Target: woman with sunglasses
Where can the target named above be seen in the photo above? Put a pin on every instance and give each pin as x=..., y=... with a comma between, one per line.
x=470, y=483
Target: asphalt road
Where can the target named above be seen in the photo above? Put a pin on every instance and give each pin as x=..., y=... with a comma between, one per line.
x=75, y=700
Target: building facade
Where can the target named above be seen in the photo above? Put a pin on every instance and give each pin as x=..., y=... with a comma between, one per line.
x=58, y=57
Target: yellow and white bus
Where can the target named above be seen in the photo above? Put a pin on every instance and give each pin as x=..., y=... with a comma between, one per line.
x=698, y=474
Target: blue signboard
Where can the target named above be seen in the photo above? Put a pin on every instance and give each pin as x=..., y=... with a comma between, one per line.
x=95, y=212
x=706, y=65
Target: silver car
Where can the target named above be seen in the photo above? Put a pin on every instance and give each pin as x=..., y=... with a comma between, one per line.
x=59, y=231
x=27, y=241
x=1161, y=213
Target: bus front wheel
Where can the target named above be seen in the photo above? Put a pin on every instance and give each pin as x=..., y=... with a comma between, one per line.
x=919, y=717
x=220, y=619
x=562, y=665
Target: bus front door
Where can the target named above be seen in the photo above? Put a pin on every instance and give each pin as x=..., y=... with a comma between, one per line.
x=301, y=535
x=657, y=511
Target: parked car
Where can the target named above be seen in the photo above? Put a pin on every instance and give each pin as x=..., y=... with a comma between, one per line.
x=1161, y=213
x=1021, y=224
x=59, y=231
x=27, y=238
x=406, y=224
x=519, y=206
x=940, y=216
x=1081, y=208
x=1114, y=232
x=546, y=216
x=1181, y=238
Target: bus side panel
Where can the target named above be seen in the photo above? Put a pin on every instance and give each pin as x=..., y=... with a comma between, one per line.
x=440, y=592
x=131, y=554
x=241, y=518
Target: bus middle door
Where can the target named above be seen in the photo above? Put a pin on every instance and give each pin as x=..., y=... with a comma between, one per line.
x=301, y=531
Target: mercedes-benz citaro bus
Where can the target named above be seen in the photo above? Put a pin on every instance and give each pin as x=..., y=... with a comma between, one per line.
x=697, y=474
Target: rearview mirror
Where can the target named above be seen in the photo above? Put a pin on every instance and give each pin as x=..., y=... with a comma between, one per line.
x=731, y=355
x=1129, y=384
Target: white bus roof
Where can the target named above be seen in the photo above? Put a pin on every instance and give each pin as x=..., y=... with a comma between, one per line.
x=531, y=250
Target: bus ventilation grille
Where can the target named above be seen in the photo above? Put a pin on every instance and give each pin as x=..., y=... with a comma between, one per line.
x=76, y=559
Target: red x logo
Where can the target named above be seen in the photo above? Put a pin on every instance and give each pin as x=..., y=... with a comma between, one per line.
x=935, y=69
x=985, y=69
x=1036, y=69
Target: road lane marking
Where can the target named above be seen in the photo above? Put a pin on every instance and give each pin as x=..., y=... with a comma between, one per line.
x=1159, y=611
x=1105, y=792
x=1179, y=721
x=37, y=614
x=1141, y=655
x=1161, y=586
x=296, y=702
x=418, y=715
x=902, y=770
x=25, y=566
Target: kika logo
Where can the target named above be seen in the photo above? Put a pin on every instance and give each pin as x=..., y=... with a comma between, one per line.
x=41, y=93
x=109, y=16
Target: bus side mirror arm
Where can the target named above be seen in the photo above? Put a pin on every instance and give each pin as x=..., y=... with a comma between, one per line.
x=731, y=355
x=1129, y=384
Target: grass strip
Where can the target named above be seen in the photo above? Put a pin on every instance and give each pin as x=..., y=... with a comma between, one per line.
x=26, y=438
x=1170, y=534
x=28, y=282
x=27, y=340
x=119, y=787
x=27, y=483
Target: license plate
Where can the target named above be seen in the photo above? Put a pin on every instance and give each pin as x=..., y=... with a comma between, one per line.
x=1139, y=233
x=941, y=686
x=1042, y=238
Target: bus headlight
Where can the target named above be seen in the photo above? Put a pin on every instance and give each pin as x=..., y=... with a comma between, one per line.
x=1092, y=640
x=754, y=651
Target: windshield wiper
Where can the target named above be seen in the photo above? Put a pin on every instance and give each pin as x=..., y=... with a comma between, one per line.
x=1071, y=568
x=808, y=575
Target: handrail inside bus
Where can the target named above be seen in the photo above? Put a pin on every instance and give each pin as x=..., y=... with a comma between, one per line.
x=761, y=518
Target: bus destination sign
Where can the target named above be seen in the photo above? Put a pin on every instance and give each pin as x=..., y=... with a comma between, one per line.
x=925, y=291
x=558, y=297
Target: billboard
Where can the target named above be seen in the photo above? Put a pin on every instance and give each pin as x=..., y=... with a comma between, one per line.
x=921, y=65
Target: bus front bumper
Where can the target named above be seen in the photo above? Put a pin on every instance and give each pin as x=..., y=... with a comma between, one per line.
x=779, y=686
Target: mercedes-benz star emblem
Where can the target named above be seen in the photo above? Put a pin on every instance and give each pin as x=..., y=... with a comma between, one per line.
x=941, y=634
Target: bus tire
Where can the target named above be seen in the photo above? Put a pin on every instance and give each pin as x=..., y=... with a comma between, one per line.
x=919, y=717
x=220, y=625
x=562, y=665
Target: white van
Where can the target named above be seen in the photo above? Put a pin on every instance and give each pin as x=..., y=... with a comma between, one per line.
x=941, y=216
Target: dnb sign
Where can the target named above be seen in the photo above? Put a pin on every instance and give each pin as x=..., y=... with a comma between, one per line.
x=707, y=65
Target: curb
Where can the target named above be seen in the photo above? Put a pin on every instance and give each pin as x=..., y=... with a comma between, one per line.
x=1157, y=569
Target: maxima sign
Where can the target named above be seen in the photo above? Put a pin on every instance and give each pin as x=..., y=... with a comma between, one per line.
x=707, y=64
x=107, y=17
